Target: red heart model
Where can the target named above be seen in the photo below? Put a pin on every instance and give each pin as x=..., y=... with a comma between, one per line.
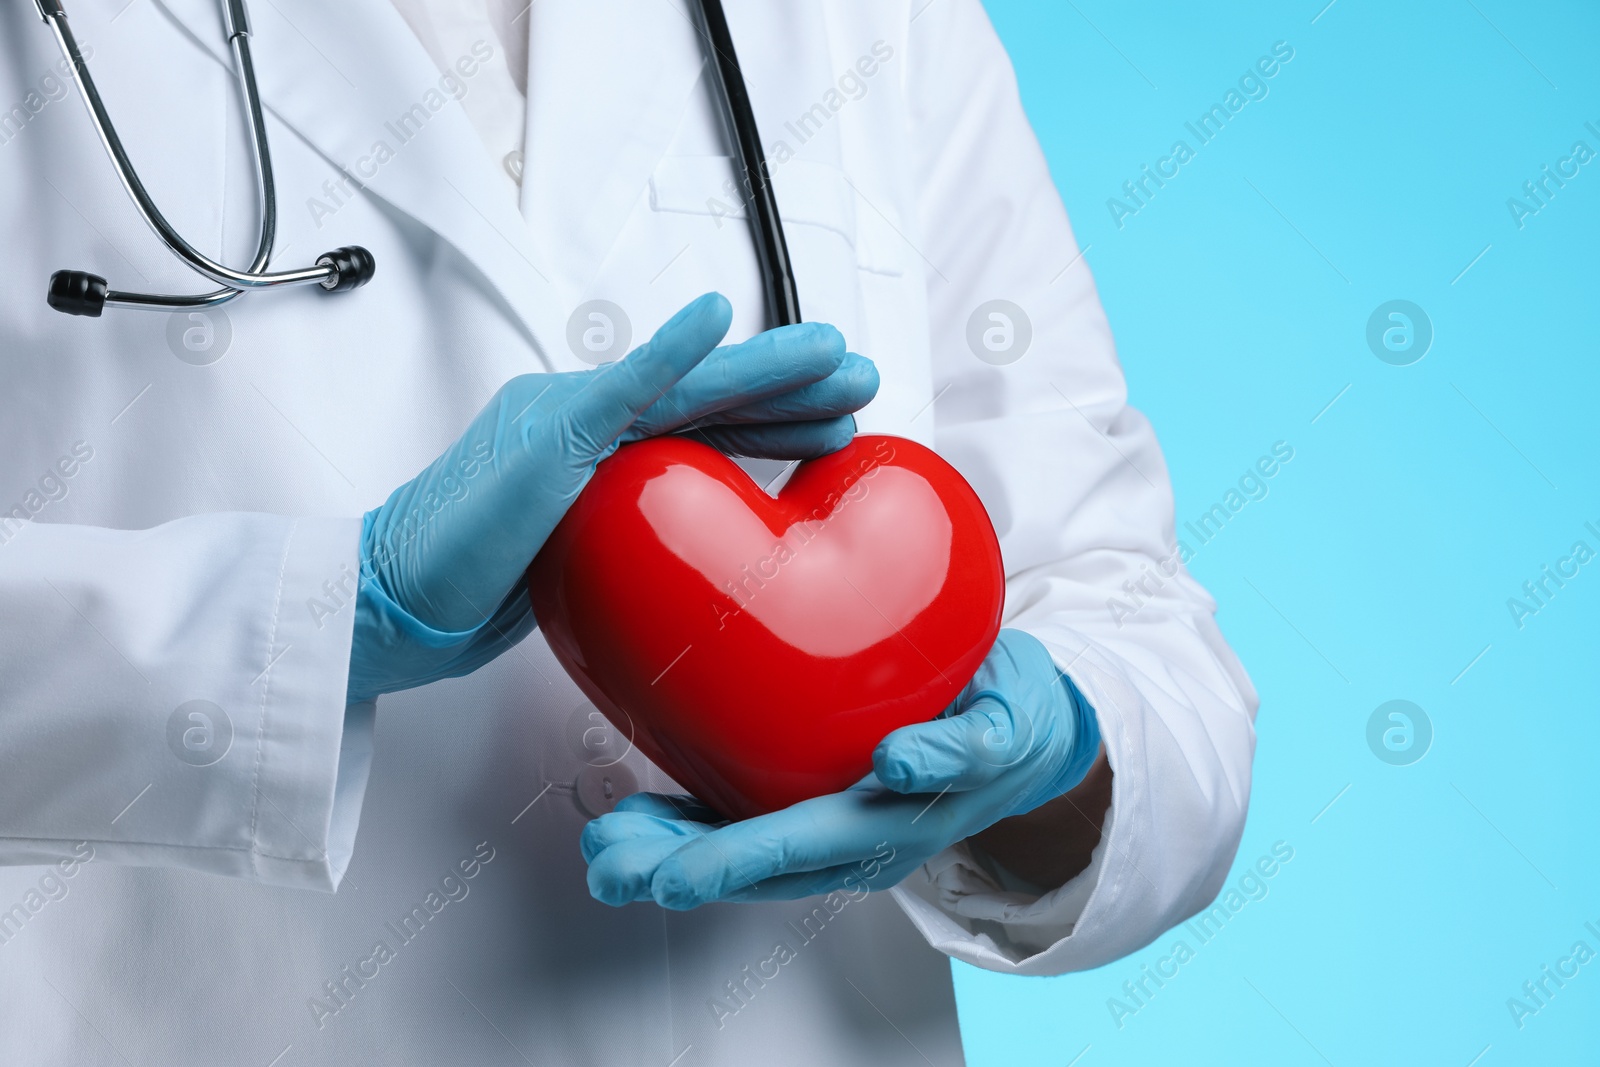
x=758, y=649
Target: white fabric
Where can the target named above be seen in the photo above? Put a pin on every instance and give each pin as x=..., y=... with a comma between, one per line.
x=168, y=566
x=102, y=625
x=458, y=35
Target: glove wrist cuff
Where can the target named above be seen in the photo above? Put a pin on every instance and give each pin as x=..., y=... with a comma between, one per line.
x=386, y=633
x=1085, y=740
x=1085, y=747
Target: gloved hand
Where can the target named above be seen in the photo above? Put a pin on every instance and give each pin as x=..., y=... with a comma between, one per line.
x=1017, y=736
x=442, y=561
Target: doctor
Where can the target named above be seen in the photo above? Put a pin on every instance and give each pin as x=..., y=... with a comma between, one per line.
x=196, y=680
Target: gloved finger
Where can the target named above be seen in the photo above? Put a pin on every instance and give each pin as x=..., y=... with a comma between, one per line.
x=767, y=365
x=797, y=886
x=810, y=836
x=846, y=390
x=615, y=827
x=621, y=874
x=960, y=752
x=850, y=879
x=620, y=392
x=627, y=872
x=780, y=440
x=671, y=806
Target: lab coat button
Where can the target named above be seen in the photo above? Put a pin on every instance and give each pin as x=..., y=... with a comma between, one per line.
x=599, y=788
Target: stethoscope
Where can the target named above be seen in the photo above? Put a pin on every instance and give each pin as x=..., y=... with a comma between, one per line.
x=77, y=292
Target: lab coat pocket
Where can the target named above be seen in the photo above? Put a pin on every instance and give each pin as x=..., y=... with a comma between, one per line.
x=833, y=236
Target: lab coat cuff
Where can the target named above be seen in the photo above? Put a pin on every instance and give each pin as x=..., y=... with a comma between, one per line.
x=313, y=750
x=976, y=912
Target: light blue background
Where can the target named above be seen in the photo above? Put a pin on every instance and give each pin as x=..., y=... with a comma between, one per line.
x=1380, y=565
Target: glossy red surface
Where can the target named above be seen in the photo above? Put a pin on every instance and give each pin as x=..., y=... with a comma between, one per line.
x=758, y=649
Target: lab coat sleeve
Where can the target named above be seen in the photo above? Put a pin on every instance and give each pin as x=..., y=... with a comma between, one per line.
x=175, y=696
x=1078, y=490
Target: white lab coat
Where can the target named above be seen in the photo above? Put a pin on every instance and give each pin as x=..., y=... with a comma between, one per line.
x=188, y=517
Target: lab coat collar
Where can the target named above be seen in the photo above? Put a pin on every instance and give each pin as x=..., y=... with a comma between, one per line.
x=609, y=82
x=342, y=75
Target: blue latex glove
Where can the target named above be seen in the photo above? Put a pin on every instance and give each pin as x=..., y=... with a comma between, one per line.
x=1019, y=735
x=441, y=590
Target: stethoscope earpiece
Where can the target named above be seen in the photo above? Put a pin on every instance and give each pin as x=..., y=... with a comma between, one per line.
x=80, y=293
x=353, y=267
x=77, y=292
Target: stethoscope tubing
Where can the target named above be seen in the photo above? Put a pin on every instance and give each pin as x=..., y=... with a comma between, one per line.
x=239, y=36
x=772, y=249
x=82, y=293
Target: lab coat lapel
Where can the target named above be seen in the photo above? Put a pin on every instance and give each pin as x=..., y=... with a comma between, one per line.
x=352, y=79
x=608, y=84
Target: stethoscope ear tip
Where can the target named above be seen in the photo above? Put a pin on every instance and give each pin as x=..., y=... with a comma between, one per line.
x=77, y=292
x=353, y=267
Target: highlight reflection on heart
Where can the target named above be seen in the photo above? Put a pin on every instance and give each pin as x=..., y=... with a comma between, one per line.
x=759, y=647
